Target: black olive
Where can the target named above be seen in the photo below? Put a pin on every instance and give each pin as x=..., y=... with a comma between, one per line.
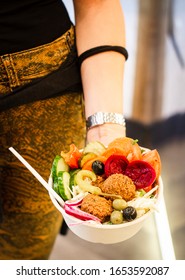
x=98, y=167
x=129, y=213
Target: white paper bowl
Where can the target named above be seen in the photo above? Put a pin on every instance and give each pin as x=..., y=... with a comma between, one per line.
x=106, y=234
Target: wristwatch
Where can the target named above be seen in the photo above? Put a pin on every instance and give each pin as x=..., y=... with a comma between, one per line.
x=104, y=117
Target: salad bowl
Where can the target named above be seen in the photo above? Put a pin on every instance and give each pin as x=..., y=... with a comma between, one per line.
x=123, y=169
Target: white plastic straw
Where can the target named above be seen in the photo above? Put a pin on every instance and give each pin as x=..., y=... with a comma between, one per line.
x=37, y=175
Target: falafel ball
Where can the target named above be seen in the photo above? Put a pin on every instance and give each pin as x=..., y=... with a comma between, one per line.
x=119, y=184
x=97, y=206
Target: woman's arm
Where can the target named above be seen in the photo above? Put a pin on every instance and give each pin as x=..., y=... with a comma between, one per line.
x=101, y=22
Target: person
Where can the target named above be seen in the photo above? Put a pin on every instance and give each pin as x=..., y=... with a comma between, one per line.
x=45, y=98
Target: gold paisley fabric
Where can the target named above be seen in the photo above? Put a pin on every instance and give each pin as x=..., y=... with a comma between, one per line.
x=38, y=131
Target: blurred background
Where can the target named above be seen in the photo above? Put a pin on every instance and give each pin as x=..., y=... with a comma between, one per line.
x=154, y=105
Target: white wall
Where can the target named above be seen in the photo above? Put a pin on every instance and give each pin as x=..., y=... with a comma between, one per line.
x=174, y=77
x=174, y=82
x=130, y=9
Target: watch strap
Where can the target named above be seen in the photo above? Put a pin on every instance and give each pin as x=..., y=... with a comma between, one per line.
x=104, y=117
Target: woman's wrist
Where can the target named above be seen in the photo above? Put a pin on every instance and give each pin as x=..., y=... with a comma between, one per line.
x=106, y=132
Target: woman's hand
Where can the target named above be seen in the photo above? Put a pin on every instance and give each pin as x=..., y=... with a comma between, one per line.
x=105, y=133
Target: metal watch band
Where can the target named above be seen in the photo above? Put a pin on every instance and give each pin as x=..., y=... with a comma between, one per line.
x=103, y=117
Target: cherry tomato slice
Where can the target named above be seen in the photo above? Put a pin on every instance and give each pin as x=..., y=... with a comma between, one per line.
x=147, y=189
x=72, y=157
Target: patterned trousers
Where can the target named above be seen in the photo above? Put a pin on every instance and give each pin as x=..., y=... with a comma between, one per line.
x=38, y=131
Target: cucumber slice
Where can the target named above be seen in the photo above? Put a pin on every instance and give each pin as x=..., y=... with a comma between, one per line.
x=73, y=174
x=94, y=147
x=63, y=185
x=58, y=165
x=55, y=184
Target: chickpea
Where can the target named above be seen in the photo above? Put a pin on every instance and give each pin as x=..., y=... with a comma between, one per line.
x=116, y=217
x=119, y=204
